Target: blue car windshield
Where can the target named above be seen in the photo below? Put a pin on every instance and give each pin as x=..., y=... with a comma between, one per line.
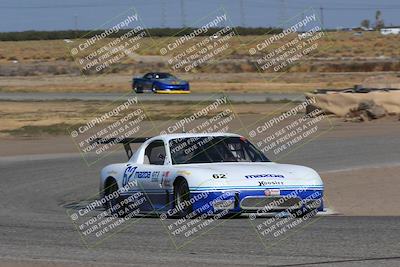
x=214, y=149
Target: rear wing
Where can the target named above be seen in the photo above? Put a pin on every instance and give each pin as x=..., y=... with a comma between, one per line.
x=125, y=141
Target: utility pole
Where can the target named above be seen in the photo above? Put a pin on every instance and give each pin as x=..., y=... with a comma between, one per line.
x=282, y=14
x=183, y=15
x=321, y=9
x=242, y=18
x=76, y=26
x=162, y=13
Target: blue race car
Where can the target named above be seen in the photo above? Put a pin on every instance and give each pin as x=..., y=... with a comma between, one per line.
x=161, y=83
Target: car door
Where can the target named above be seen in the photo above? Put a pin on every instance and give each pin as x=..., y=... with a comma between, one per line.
x=150, y=174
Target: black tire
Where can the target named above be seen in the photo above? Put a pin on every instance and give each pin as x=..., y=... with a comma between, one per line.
x=182, y=197
x=137, y=89
x=114, y=204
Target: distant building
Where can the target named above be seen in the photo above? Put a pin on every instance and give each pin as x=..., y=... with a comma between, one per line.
x=387, y=31
x=370, y=29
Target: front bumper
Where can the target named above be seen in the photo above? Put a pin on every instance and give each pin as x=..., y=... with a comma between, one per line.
x=172, y=89
x=172, y=92
x=255, y=201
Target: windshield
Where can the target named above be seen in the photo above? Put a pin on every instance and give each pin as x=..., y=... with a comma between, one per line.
x=214, y=149
x=163, y=76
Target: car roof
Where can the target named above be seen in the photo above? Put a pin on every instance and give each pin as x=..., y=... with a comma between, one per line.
x=167, y=137
x=158, y=73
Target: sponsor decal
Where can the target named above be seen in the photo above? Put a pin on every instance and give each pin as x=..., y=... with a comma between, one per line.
x=143, y=175
x=128, y=173
x=219, y=176
x=265, y=183
x=154, y=176
x=272, y=192
x=257, y=176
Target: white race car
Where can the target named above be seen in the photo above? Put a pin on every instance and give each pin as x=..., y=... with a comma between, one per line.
x=207, y=173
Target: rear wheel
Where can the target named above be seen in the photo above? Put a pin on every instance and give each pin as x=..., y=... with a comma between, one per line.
x=182, y=199
x=137, y=89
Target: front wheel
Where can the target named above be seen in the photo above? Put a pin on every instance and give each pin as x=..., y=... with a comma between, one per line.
x=154, y=88
x=182, y=199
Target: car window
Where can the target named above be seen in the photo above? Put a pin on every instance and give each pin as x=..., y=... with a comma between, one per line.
x=163, y=76
x=155, y=153
x=214, y=149
x=148, y=76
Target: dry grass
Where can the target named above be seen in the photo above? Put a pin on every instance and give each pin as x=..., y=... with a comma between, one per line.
x=340, y=61
x=36, y=118
x=334, y=44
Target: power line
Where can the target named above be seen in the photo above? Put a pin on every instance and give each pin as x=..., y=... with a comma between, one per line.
x=61, y=6
x=269, y=5
x=361, y=8
x=343, y=7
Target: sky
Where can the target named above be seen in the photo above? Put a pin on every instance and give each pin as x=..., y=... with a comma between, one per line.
x=22, y=15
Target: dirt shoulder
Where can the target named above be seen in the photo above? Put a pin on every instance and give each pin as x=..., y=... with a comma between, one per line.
x=364, y=192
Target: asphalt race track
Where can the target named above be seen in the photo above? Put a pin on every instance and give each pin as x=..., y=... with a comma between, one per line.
x=36, y=231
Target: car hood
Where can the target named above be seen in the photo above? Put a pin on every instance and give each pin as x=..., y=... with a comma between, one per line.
x=262, y=174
